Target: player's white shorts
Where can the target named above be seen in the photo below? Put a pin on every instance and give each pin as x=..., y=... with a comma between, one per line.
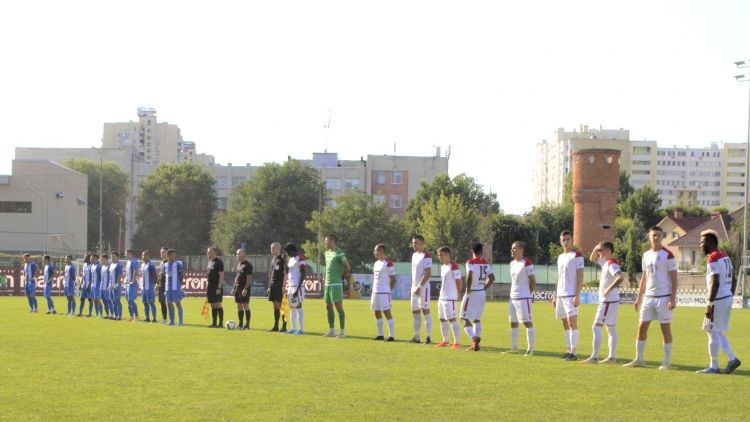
x=655, y=308
x=472, y=305
x=606, y=313
x=447, y=309
x=720, y=316
x=519, y=310
x=423, y=300
x=380, y=302
x=295, y=302
x=564, y=307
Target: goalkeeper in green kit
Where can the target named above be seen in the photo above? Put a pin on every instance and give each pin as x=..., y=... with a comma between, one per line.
x=337, y=270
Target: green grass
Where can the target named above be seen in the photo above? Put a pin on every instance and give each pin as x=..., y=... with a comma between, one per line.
x=61, y=368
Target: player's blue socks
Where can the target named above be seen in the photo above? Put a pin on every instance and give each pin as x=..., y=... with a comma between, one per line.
x=31, y=303
x=34, y=303
x=91, y=305
x=171, y=314
x=50, y=303
x=118, y=308
x=146, y=309
x=153, y=310
x=179, y=312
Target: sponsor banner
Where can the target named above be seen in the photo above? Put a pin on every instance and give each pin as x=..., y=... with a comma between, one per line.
x=699, y=299
x=9, y=285
x=542, y=295
x=363, y=285
x=314, y=285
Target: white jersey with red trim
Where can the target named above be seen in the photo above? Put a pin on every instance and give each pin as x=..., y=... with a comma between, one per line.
x=419, y=262
x=520, y=272
x=480, y=270
x=720, y=264
x=448, y=275
x=294, y=273
x=657, y=265
x=383, y=270
x=610, y=269
x=568, y=263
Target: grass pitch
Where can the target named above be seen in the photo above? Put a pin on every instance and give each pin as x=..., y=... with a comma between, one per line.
x=63, y=368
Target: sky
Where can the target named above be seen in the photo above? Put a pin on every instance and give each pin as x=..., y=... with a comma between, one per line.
x=253, y=82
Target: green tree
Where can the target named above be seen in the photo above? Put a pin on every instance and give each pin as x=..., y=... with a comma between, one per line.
x=509, y=228
x=686, y=211
x=114, y=192
x=546, y=222
x=359, y=223
x=641, y=206
x=625, y=187
x=633, y=257
x=466, y=188
x=567, y=200
x=449, y=222
x=271, y=207
x=175, y=208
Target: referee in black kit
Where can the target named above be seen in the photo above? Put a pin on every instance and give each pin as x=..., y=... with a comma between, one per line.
x=215, y=286
x=162, y=285
x=276, y=284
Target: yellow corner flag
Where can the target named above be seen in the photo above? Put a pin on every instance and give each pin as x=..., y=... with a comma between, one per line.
x=285, y=310
x=205, y=310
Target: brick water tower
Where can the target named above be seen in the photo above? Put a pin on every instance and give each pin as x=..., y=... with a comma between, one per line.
x=596, y=188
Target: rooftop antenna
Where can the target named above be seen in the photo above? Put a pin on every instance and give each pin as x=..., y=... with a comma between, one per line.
x=394, y=148
x=327, y=127
x=448, y=152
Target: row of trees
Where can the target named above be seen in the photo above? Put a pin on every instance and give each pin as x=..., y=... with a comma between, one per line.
x=289, y=203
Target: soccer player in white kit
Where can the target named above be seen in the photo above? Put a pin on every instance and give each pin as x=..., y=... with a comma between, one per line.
x=567, y=297
x=721, y=285
x=421, y=270
x=609, y=301
x=295, y=287
x=384, y=281
x=450, y=284
x=522, y=283
x=657, y=297
x=479, y=278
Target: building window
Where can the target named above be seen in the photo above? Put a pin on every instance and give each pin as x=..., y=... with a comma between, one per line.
x=380, y=177
x=675, y=235
x=221, y=203
x=736, y=153
x=222, y=183
x=398, y=178
x=379, y=199
x=15, y=207
x=396, y=201
x=642, y=150
x=333, y=184
x=351, y=184
x=641, y=163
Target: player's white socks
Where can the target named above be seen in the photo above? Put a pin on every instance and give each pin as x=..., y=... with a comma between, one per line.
x=300, y=319
x=294, y=319
x=726, y=347
x=597, y=342
x=530, y=339
x=444, y=330
x=567, y=340
x=667, y=354
x=417, y=325
x=514, y=338
x=456, y=332
x=478, y=329
x=714, y=343
x=573, y=341
x=640, y=347
x=391, y=329
x=469, y=331
x=379, y=324
x=612, y=343
x=428, y=325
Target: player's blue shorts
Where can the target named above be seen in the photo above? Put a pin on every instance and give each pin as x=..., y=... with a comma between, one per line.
x=84, y=293
x=116, y=292
x=131, y=291
x=95, y=293
x=30, y=289
x=70, y=289
x=148, y=295
x=48, y=290
x=174, y=296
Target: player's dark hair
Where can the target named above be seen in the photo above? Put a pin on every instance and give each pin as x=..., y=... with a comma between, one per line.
x=115, y=253
x=87, y=258
x=608, y=245
x=477, y=248
x=332, y=237
x=519, y=244
x=26, y=255
x=418, y=237
x=164, y=248
x=291, y=249
x=380, y=246
x=105, y=256
x=170, y=252
x=93, y=255
x=656, y=229
x=130, y=251
x=47, y=257
x=712, y=238
x=564, y=233
x=444, y=249
x=147, y=252
x=70, y=257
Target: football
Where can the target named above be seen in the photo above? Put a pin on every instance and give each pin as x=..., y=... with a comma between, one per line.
x=231, y=325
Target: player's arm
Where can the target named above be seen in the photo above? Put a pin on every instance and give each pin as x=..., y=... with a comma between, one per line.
x=673, y=299
x=532, y=283
x=618, y=280
x=393, y=281
x=426, y=276
x=459, y=282
x=302, y=272
x=579, y=286
x=594, y=257
x=220, y=287
x=714, y=289
x=491, y=279
x=249, y=271
x=469, y=281
x=641, y=291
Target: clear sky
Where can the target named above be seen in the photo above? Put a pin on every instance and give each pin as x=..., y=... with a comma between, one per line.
x=253, y=81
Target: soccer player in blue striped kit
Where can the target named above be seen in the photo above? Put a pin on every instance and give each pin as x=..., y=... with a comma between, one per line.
x=86, y=285
x=131, y=284
x=95, y=288
x=105, y=288
x=115, y=280
x=69, y=285
x=149, y=278
x=173, y=270
x=29, y=273
x=49, y=278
